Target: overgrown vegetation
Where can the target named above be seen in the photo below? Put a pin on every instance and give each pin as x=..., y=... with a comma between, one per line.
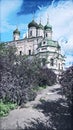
x=19, y=75
x=46, y=77
x=67, y=84
x=67, y=87
x=6, y=107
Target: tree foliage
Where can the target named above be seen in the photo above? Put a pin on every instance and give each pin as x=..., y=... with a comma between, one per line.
x=67, y=84
x=20, y=74
x=46, y=77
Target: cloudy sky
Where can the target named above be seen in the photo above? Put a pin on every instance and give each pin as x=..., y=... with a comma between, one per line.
x=20, y=12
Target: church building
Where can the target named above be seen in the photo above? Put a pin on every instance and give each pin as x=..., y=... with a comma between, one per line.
x=39, y=42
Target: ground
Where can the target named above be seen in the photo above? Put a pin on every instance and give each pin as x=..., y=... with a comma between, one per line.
x=49, y=109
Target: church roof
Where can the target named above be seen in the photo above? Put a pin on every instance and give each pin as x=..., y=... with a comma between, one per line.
x=32, y=24
x=50, y=43
x=16, y=31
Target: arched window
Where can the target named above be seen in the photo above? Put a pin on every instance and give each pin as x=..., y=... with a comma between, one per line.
x=59, y=66
x=62, y=67
x=44, y=42
x=29, y=52
x=20, y=52
x=52, y=62
x=46, y=35
x=30, y=33
x=14, y=38
x=44, y=61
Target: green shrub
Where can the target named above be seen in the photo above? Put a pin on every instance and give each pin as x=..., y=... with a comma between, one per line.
x=6, y=107
x=12, y=106
x=46, y=77
x=1, y=113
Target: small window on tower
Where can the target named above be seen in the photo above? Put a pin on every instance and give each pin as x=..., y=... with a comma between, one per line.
x=44, y=61
x=59, y=66
x=14, y=38
x=29, y=52
x=62, y=67
x=46, y=34
x=20, y=52
x=43, y=42
x=52, y=62
x=30, y=33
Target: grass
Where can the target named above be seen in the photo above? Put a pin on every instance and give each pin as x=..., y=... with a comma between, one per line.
x=6, y=107
x=38, y=88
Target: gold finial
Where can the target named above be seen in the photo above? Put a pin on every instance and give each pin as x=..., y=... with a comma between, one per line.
x=16, y=26
x=33, y=15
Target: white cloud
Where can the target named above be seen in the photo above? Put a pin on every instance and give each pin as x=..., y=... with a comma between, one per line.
x=9, y=6
x=8, y=9
x=69, y=60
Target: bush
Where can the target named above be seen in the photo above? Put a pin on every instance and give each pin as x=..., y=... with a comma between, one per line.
x=67, y=87
x=6, y=107
x=4, y=110
x=67, y=84
x=46, y=77
x=12, y=106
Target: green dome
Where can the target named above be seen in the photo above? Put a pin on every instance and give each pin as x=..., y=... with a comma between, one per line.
x=48, y=27
x=16, y=31
x=40, y=26
x=33, y=24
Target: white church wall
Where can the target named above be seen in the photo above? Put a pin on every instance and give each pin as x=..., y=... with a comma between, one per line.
x=16, y=37
x=40, y=32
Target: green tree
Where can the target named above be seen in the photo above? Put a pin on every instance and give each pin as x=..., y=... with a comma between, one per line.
x=21, y=74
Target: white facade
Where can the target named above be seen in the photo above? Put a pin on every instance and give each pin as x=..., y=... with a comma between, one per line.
x=16, y=36
x=40, y=32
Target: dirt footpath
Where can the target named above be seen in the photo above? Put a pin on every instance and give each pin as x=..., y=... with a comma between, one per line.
x=33, y=111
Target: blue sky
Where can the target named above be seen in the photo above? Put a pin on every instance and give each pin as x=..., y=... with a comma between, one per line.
x=20, y=12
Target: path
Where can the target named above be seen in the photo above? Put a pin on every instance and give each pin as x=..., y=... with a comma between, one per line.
x=24, y=116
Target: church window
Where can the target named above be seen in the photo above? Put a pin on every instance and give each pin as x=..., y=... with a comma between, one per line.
x=43, y=42
x=14, y=38
x=56, y=62
x=29, y=52
x=62, y=67
x=59, y=66
x=30, y=33
x=44, y=61
x=52, y=62
x=20, y=52
x=46, y=35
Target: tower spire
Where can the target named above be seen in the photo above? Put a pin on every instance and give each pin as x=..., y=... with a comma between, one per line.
x=16, y=26
x=47, y=18
x=40, y=19
x=33, y=16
